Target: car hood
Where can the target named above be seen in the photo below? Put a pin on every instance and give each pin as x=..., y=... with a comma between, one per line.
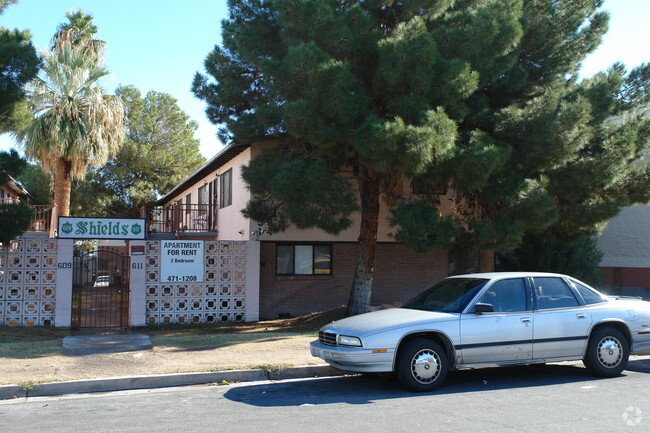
x=371, y=323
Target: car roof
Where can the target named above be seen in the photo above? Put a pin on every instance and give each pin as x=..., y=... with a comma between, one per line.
x=500, y=275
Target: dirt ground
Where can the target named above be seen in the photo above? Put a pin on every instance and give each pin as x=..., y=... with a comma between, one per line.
x=277, y=352
x=33, y=355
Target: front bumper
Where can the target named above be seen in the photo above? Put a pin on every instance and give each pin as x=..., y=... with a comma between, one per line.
x=354, y=359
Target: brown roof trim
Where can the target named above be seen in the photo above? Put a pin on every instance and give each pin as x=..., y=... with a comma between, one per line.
x=223, y=157
x=16, y=187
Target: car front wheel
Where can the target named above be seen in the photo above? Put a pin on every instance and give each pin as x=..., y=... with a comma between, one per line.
x=607, y=353
x=422, y=365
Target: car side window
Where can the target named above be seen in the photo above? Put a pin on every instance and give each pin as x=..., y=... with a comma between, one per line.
x=506, y=295
x=590, y=296
x=553, y=292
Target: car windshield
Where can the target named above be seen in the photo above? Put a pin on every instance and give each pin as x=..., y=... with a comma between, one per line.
x=450, y=295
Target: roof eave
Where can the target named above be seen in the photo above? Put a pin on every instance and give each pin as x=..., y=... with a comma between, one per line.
x=223, y=157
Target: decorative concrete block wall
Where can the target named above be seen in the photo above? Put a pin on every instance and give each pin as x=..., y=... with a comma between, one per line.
x=221, y=297
x=28, y=282
x=31, y=270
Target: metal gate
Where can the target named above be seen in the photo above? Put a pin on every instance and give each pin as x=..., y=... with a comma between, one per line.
x=100, y=290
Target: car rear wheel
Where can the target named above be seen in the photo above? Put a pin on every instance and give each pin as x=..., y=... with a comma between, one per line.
x=422, y=365
x=607, y=353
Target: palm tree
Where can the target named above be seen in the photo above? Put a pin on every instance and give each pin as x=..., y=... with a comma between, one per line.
x=75, y=124
x=80, y=32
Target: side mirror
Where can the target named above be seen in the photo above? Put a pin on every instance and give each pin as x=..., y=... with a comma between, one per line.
x=481, y=308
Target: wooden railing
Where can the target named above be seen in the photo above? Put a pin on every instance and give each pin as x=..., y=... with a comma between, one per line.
x=192, y=218
x=44, y=217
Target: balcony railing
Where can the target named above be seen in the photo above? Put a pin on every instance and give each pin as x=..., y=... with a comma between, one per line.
x=44, y=217
x=184, y=218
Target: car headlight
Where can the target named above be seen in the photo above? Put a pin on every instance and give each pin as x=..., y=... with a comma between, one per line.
x=346, y=340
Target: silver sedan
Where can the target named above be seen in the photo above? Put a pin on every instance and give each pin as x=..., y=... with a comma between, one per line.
x=496, y=319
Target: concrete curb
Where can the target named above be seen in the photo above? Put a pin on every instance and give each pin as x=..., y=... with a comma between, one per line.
x=161, y=381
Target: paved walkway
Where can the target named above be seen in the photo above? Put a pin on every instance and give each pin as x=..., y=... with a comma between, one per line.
x=89, y=344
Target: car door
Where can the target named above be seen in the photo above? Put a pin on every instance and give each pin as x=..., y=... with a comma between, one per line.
x=505, y=335
x=561, y=323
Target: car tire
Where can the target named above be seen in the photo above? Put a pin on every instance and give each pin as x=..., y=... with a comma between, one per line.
x=422, y=365
x=607, y=352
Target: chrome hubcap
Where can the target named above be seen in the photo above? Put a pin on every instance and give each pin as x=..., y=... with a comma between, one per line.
x=425, y=366
x=609, y=352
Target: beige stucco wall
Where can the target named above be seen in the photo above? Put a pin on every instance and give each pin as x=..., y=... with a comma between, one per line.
x=351, y=234
x=625, y=242
x=229, y=219
x=233, y=226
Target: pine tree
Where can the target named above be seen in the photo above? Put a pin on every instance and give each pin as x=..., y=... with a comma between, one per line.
x=18, y=65
x=479, y=97
x=14, y=217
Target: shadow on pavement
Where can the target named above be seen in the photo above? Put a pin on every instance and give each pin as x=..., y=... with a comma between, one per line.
x=364, y=389
x=641, y=365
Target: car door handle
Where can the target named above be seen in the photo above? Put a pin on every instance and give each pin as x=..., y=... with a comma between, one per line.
x=581, y=316
x=526, y=319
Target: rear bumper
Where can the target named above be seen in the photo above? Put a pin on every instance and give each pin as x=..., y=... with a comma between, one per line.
x=353, y=359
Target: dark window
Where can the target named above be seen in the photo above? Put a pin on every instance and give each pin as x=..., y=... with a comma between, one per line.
x=188, y=202
x=214, y=187
x=506, y=295
x=553, y=292
x=304, y=260
x=590, y=296
x=226, y=189
x=203, y=194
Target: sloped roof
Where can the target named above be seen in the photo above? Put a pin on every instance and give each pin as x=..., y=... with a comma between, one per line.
x=223, y=157
x=16, y=187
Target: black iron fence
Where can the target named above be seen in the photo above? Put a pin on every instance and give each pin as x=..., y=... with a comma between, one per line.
x=180, y=218
x=100, y=290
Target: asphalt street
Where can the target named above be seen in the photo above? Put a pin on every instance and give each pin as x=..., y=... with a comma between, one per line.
x=552, y=398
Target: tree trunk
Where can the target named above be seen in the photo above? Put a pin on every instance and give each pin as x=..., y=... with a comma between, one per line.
x=485, y=261
x=62, y=186
x=363, y=275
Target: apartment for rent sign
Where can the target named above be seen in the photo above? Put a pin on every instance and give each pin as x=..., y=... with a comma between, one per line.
x=182, y=261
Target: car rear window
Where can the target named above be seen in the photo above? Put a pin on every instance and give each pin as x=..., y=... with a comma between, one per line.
x=590, y=296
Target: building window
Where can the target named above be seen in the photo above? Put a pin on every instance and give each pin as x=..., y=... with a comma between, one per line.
x=226, y=189
x=214, y=187
x=203, y=194
x=188, y=202
x=304, y=259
